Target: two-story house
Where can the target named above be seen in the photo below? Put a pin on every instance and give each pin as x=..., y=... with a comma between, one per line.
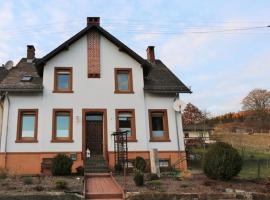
x=76, y=96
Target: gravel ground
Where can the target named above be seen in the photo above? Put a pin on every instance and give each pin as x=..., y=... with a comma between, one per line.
x=196, y=184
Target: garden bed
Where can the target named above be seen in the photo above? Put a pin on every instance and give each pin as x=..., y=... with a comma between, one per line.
x=198, y=184
x=39, y=184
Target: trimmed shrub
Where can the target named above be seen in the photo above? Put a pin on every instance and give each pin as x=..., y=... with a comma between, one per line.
x=61, y=165
x=39, y=188
x=222, y=162
x=60, y=184
x=3, y=173
x=27, y=180
x=138, y=178
x=152, y=177
x=139, y=163
x=80, y=170
x=118, y=168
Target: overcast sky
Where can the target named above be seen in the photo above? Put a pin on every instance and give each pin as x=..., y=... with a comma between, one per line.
x=205, y=43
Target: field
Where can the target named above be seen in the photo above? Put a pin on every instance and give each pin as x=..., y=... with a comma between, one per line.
x=254, y=150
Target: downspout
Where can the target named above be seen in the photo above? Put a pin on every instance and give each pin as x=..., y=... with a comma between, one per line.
x=177, y=131
x=7, y=129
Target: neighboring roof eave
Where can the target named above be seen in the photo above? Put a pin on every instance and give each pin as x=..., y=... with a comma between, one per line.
x=24, y=90
x=167, y=91
x=122, y=47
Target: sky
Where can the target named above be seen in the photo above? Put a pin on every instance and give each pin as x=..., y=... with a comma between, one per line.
x=218, y=48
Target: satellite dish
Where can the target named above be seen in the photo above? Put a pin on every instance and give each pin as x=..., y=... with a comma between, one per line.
x=9, y=64
x=179, y=105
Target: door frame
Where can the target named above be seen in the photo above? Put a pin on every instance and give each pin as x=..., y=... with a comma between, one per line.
x=102, y=111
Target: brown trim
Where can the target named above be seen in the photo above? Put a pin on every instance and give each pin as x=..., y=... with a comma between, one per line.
x=130, y=80
x=165, y=138
x=56, y=139
x=132, y=138
x=70, y=83
x=105, y=130
x=19, y=138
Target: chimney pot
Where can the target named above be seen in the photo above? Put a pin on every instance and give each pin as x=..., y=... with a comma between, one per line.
x=93, y=21
x=30, y=52
x=151, y=54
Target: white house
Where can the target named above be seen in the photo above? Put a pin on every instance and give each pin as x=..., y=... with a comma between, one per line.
x=77, y=95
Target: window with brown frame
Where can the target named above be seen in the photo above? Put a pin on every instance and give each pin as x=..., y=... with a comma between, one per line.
x=27, y=125
x=63, y=80
x=125, y=121
x=62, y=125
x=123, y=80
x=158, y=123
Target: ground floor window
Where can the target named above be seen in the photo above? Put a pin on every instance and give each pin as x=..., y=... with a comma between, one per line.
x=158, y=123
x=27, y=125
x=125, y=121
x=62, y=125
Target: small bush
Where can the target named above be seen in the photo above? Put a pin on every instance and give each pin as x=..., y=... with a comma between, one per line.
x=3, y=173
x=39, y=188
x=152, y=177
x=222, y=162
x=27, y=180
x=60, y=184
x=118, y=168
x=80, y=170
x=138, y=178
x=61, y=165
x=139, y=163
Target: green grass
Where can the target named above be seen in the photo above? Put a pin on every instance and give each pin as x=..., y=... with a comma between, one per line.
x=250, y=165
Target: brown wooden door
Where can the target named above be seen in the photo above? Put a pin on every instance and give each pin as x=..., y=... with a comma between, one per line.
x=94, y=134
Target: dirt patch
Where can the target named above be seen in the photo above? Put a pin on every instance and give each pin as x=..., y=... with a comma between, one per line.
x=39, y=184
x=199, y=183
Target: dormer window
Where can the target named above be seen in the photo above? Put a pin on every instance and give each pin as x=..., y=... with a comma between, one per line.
x=123, y=80
x=63, y=80
x=26, y=78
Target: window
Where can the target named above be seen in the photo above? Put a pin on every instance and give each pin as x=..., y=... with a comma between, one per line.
x=158, y=122
x=63, y=79
x=62, y=125
x=164, y=163
x=125, y=121
x=27, y=125
x=26, y=78
x=123, y=80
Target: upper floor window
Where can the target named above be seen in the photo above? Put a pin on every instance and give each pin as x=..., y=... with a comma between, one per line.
x=27, y=125
x=123, y=80
x=158, y=122
x=62, y=125
x=125, y=121
x=63, y=79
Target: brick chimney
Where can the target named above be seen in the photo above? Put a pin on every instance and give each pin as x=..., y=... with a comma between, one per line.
x=150, y=54
x=30, y=53
x=93, y=21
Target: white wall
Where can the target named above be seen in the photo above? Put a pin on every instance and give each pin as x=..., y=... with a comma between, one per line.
x=89, y=93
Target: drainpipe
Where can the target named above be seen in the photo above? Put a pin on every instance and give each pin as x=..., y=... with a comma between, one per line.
x=6, y=95
x=177, y=131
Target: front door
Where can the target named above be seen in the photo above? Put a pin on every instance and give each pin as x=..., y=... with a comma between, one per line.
x=94, y=133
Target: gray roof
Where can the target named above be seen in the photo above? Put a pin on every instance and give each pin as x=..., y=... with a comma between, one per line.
x=12, y=82
x=161, y=80
x=3, y=73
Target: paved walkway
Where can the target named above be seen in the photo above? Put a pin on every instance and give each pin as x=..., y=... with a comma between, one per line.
x=102, y=186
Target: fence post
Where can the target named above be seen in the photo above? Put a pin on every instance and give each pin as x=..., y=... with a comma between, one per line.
x=259, y=168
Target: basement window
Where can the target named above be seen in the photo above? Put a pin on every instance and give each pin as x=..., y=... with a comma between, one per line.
x=26, y=78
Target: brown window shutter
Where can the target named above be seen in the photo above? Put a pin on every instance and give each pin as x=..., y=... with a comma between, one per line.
x=93, y=50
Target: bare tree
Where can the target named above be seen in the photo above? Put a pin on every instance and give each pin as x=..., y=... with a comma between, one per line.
x=257, y=100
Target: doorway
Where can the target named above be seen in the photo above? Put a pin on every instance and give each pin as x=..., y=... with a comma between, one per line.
x=95, y=132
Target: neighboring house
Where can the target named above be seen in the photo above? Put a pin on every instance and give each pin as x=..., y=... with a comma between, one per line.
x=198, y=134
x=77, y=95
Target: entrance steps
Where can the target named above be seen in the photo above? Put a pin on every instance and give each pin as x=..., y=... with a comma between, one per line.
x=101, y=186
x=96, y=164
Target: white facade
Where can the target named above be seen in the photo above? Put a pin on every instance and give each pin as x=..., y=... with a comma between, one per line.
x=89, y=93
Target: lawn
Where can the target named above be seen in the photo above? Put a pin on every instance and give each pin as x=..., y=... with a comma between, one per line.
x=250, y=167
